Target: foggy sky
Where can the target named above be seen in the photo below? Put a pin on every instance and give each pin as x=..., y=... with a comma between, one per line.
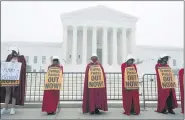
x=159, y=24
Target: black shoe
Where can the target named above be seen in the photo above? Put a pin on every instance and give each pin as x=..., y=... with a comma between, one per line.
x=52, y=113
x=133, y=113
x=92, y=113
x=97, y=111
x=171, y=111
x=164, y=112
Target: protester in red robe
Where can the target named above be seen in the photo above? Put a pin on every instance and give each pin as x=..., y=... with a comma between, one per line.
x=181, y=80
x=14, y=95
x=130, y=98
x=166, y=97
x=51, y=97
x=94, y=99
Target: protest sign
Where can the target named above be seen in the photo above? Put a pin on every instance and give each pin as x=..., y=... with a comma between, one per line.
x=95, y=77
x=131, y=78
x=10, y=73
x=54, y=79
x=167, y=77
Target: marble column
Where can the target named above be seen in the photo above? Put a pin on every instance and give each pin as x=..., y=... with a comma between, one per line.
x=133, y=41
x=74, y=49
x=105, y=46
x=124, y=44
x=94, y=40
x=84, y=46
x=65, y=42
x=115, y=62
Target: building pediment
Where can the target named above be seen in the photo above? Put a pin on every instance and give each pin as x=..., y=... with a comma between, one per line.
x=98, y=15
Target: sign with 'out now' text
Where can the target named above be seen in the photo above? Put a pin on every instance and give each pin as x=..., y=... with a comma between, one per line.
x=131, y=78
x=54, y=79
x=95, y=77
x=10, y=73
x=167, y=77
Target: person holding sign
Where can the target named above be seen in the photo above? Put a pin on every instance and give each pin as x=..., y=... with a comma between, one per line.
x=130, y=86
x=14, y=94
x=95, y=92
x=166, y=87
x=52, y=87
x=181, y=80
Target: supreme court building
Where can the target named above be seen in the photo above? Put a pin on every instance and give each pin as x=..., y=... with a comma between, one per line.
x=101, y=30
x=108, y=33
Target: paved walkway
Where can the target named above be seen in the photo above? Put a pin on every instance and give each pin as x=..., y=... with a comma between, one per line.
x=76, y=113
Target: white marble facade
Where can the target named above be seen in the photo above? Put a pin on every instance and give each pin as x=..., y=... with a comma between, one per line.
x=111, y=44
x=100, y=30
x=109, y=33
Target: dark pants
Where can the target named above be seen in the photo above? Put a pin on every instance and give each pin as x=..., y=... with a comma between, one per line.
x=132, y=107
x=169, y=102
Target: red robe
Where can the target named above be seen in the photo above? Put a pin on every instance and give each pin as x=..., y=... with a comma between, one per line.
x=19, y=90
x=94, y=97
x=181, y=80
x=51, y=98
x=128, y=96
x=163, y=94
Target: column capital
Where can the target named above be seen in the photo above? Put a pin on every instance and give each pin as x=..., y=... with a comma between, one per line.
x=84, y=27
x=75, y=27
x=105, y=28
x=94, y=27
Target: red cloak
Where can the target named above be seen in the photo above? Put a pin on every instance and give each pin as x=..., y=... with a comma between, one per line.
x=181, y=80
x=19, y=90
x=163, y=94
x=51, y=98
x=94, y=97
x=129, y=95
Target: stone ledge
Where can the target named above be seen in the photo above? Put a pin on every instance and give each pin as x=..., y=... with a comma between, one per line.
x=78, y=104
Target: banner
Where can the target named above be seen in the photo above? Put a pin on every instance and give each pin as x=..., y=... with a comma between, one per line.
x=131, y=78
x=54, y=79
x=95, y=77
x=167, y=77
x=10, y=73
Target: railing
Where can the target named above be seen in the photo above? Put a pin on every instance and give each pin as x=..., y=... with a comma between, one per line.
x=72, y=88
x=150, y=88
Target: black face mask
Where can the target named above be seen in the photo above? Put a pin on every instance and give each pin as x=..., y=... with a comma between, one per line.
x=14, y=53
x=130, y=62
x=164, y=61
x=55, y=62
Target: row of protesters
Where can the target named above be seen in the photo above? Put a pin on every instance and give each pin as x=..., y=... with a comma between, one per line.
x=95, y=92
